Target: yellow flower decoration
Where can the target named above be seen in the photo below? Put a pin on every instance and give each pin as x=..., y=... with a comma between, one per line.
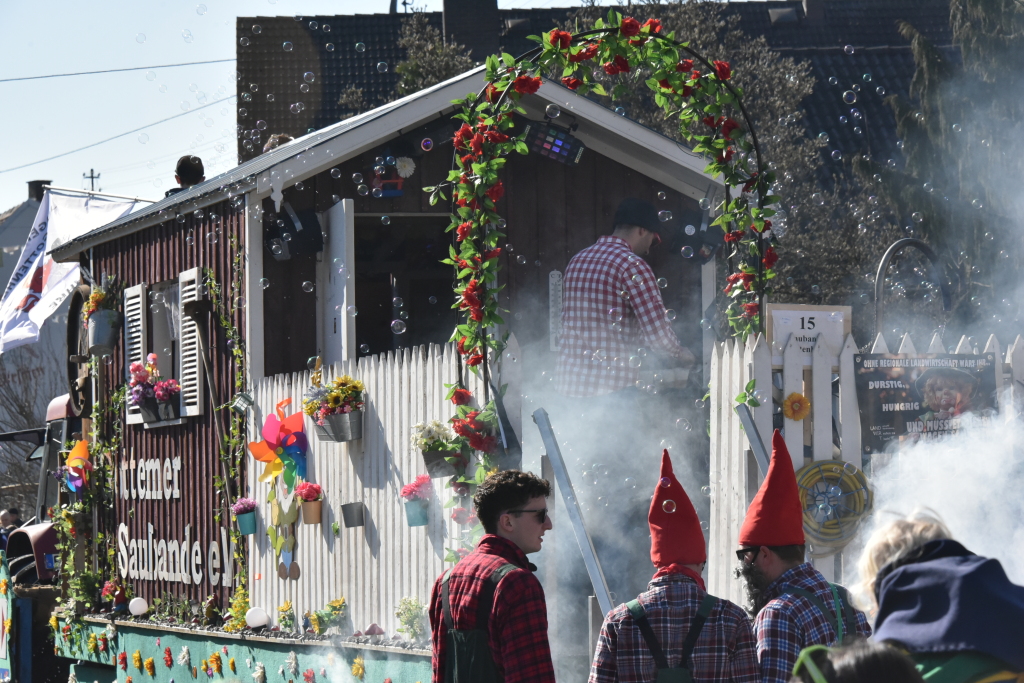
x=137, y=660
x=91, y=644
x=314, y=621
x=54, y=624
x=334, y=399
x=286, y=607
x=358, y=668
x=150, y=667
x=796, y=407
x=3, y=586
x=231, y=664
x=337, y=604
x=215, y=662
x=8, y=624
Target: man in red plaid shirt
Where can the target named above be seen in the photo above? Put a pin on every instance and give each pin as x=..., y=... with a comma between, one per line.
x=488, y=617
x=612, y=307
x=675, y=624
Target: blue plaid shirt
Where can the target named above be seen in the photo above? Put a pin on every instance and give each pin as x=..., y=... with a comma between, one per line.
x=789, y=623
x=723, y=652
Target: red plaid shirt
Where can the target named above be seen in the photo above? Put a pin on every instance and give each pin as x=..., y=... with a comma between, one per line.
x=519, y=619
x=789, y=623
x=611, y=307
x=724, y=650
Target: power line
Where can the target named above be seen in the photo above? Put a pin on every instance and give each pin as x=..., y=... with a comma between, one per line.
x=110, y=71
x=119, y=135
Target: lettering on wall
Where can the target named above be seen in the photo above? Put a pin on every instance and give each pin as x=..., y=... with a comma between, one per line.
x=149, y=478
x=175, y=560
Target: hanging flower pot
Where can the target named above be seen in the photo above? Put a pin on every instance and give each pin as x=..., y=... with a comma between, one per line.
x=149, y=409
x=169, y=410
x=104, y=329
x=417, y=512
x=353, y=514
x=246, y=523
x=311, y=511
x=342, y=427
x=437, y=464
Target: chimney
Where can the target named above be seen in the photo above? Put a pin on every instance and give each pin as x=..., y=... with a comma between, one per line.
x=814, y=11
x=475, y=24
x=35, y=189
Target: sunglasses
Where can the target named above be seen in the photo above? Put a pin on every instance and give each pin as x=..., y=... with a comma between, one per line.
x=542, y=514
x=742, y=553
x=806, y=661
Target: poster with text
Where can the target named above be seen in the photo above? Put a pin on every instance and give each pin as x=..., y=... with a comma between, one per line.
x=907, y=398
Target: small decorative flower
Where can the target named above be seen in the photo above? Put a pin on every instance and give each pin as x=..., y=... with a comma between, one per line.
x=358, y=668
x=796, y=407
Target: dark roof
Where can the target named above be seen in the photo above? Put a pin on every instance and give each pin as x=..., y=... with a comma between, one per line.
x=868, y=26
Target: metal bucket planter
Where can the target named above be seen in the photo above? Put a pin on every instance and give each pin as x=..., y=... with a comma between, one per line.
x=353, y=514
x=149, y=409
x=437, y=464
x=311, y=510
x=342, y=427
x=104, y=329
x=417, y=512
x=169, y=410
x=247, y=523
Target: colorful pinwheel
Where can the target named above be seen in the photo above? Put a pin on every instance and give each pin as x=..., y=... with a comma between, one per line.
x=283, y=448
x=77, y=464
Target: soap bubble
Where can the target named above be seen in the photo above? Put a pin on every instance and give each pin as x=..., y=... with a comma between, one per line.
x=352, y=311
x=690, y=230
x=212, y=238
x=670, y=315
x=662, y=282
x=662, y=196
x=287, y=46
x=918, y=218
x=257, y=29
x=552, y=111
x=398, y=302
x=664, y=216
x=360, y=47
x=143, y=138
x=837, y=155
x=300, y=186
x=382, y=66
x=307, y=286
x=200, y=10
x=704, y=204
x=615, y=314
x=364, y=348
x=276, y=249
x=363, y=190
x=521, y=260
x=329, y=47
x=699, y=404
x=630, y=483
x=377, y=193
x=426, y=144
x=398, y=326
x=686, y=252
x=866, y=78
x=760, y=395
x=309, y=77
x=432, y=300
x=264, y=283
x=635, y=361
x=823, y=136
x=835, y=491
x=140, y=38
x=832, y=80
x=815, y=289
x=843, y=119
x=287, y=237
x=621, y=111
x=665, y=482
x=848, y=49
x=311, y=362
x=705, y=490
x=976, y=203
x=187, y=36
x=335, y=173
x=385, y=220
x=880, y=90
x=669, y=506
x=638, y=279
x=957, y=128
x=818, y=199
x=684, y=424
x=357, y=178
x=849, y=97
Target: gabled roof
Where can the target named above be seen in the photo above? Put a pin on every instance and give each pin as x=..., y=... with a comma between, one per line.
x=601, y=129
x=21, y=215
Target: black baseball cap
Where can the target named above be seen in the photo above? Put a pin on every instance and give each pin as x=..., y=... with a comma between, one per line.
x=642, y=214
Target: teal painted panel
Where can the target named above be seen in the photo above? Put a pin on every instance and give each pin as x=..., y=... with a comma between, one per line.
x=6, y=612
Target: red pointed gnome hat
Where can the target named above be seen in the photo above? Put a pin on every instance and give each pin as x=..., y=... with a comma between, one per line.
x=775, y=517
x=676, y=537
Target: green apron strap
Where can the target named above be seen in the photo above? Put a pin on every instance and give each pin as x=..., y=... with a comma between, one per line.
x=485, y=601
x=849, y=614
x=706, y=605
x=636, y=610
x=446, y=605
x=813, y=599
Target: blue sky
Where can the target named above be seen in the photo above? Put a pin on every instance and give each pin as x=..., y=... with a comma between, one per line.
x=47, y=117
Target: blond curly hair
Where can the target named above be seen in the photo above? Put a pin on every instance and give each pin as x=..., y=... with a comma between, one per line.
x=893, y=541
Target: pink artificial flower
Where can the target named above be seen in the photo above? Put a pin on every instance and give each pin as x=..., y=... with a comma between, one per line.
x=421, y=488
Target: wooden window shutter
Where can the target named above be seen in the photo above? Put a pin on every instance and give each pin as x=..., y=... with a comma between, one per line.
x=135, y=339
x=190, y=375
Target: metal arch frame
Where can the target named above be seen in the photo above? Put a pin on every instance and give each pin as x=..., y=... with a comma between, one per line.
x=883, y=265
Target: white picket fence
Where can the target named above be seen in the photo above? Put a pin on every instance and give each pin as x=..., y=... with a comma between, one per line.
x=376, y=565
x=734, y=473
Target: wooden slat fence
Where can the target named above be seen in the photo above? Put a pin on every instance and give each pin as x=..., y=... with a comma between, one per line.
x=734, y=473
x=376, y=565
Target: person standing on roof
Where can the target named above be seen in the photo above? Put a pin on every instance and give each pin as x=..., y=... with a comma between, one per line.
x=612, y=306
x=793, y=605
x=189, y=171
x=488, y=616
x=675, y=628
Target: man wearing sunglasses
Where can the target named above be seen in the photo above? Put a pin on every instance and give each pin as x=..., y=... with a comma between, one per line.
x=792, y=604
x=675, y=631
x=612, y=306
x=488, y=616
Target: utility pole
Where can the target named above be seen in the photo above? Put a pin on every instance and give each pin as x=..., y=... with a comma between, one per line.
x=92, y=177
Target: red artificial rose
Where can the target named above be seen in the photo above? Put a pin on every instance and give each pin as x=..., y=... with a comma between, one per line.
x=734, y=236
x=491, y=253
x=461, y=345
x=583, y=55
x=461, y=428
x=476, y=315
x=711, y=121
x=738, y=279
x=462, y=135
x=770, y=258
x=750, y=310
x=684, y=65
x=477, y=144
x=665, y=84
x=462, y=232
x=686, y=91
x=728, y=127
x=466, y=161
x=459, y=488
x=750, y=183
x=491, y=93
x=460, y=515
x=725, y=156
x=653, y=24
x=561, y=39
x=722, y=70
x=496, y=191
x=495, y=136
x=475, y=359
x=478, y=442
x=610, y=68
x=526, y=85
x=629, y=27
x=571, y=83
x=622, y=63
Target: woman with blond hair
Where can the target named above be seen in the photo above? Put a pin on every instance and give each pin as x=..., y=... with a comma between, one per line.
x=956, y=613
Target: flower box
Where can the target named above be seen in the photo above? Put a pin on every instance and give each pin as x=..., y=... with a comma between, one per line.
x=149, y=409
x=104, y=330
x=436, y=461
x=312, y=511
x=341, y=427
x=247, y=523
x=169, y=410
x=417, y=512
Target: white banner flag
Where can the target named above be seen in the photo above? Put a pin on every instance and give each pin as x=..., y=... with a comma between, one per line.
x=39, y=285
